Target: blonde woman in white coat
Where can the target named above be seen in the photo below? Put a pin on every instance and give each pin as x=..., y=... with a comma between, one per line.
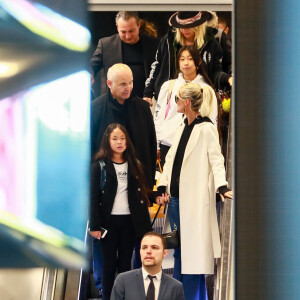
x=193, y=173
x=166, y=117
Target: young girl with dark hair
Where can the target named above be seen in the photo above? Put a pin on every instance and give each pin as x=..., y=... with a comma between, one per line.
x=166, y=117
x=189, y=28
x=121, y=207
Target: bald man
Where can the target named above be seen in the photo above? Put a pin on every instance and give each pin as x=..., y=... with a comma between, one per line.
x=118, y=105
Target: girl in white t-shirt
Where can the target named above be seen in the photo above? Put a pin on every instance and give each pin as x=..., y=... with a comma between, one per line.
x=121, y=206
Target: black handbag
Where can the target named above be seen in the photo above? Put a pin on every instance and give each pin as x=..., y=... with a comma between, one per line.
x=172, y=238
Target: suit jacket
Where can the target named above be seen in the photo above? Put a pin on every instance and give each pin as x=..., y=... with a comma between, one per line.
x=109, y=52
x=130, y=285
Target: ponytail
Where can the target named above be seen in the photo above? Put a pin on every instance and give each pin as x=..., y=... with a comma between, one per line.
x=207, y=102
x=201, y=98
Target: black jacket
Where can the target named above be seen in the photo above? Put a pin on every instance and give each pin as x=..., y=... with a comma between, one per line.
x=102, y=201
x=163, y=68
x=226, y=46
x=109, y=52
x=136, y=116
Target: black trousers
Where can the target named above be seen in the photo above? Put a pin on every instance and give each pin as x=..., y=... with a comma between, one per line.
x=117, y=248
x=163, y=153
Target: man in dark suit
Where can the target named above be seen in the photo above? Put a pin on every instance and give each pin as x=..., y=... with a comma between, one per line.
x=128, y=47
x=149, y=281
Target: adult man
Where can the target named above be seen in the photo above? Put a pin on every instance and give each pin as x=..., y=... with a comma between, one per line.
x=128, y=47
x=118, y=105
x=149, y=280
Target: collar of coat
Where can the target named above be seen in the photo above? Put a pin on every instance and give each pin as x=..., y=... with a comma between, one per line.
x=198, y=120
x=109, y=167
x=114, y=104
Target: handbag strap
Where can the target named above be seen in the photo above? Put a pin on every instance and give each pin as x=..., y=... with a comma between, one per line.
x=159, y=165
x=156, y=215
x=165, y=212
x=102, y=174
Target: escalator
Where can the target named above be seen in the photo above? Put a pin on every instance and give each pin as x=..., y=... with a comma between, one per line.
x=223, y=279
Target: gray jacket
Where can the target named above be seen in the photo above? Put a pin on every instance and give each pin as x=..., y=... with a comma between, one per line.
x=130, y=285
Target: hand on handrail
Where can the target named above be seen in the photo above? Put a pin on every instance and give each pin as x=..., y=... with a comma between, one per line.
x=228, y=194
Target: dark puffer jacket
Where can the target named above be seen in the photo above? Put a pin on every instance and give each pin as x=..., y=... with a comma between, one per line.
x=163, y=68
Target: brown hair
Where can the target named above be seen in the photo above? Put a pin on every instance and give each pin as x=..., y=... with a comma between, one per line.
x=153, y=233
x=105, y=153
x=148, y=28
x=126, y=15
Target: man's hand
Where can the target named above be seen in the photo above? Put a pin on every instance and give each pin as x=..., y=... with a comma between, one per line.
x=149, y=100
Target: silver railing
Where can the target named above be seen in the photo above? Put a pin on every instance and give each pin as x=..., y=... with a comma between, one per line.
x=224, y=272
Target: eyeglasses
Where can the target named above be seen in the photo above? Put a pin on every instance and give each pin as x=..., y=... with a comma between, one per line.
x=178, y=98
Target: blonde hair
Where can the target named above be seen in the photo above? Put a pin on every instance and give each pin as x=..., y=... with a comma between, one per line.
x=199, y=35
x=201, y=98
x=214, y=21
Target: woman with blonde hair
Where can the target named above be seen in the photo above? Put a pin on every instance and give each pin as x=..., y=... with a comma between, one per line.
x=189, y=28
x=193, y=173
x=166, y=117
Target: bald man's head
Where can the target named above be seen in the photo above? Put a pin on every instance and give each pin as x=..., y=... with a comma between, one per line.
x=120, y=82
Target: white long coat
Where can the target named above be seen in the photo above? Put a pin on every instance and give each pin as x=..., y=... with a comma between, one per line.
x=202, y=173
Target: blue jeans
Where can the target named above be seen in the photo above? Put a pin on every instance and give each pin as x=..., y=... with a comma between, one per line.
x=193, y=285
x=97, y=263
x=136, y=255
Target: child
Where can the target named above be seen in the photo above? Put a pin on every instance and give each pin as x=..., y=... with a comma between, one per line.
x=121, y=207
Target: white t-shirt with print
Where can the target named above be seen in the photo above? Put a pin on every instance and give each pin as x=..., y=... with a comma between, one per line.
x=121, y=206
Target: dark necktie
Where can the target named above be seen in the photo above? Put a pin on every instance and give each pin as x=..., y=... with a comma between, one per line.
x=151, y=289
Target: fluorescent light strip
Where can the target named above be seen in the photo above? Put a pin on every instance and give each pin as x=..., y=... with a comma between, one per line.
x=49, y=24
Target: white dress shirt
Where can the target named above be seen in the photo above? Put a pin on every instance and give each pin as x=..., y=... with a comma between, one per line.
x=156, y=281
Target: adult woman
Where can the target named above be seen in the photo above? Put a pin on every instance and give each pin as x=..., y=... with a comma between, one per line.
x=190, y=29
x=166, y=117
x=193, y=172
x=121, y=206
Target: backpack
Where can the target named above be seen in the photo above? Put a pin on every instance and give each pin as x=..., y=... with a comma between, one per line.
x=102, y=174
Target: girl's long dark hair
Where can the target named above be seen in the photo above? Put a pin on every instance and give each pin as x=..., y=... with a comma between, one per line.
x=105, y=153
x=195, y=53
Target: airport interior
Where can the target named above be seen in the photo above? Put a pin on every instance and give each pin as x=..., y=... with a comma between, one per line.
x=46, y=103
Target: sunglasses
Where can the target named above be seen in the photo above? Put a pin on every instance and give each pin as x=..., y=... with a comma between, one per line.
x=178, y=98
